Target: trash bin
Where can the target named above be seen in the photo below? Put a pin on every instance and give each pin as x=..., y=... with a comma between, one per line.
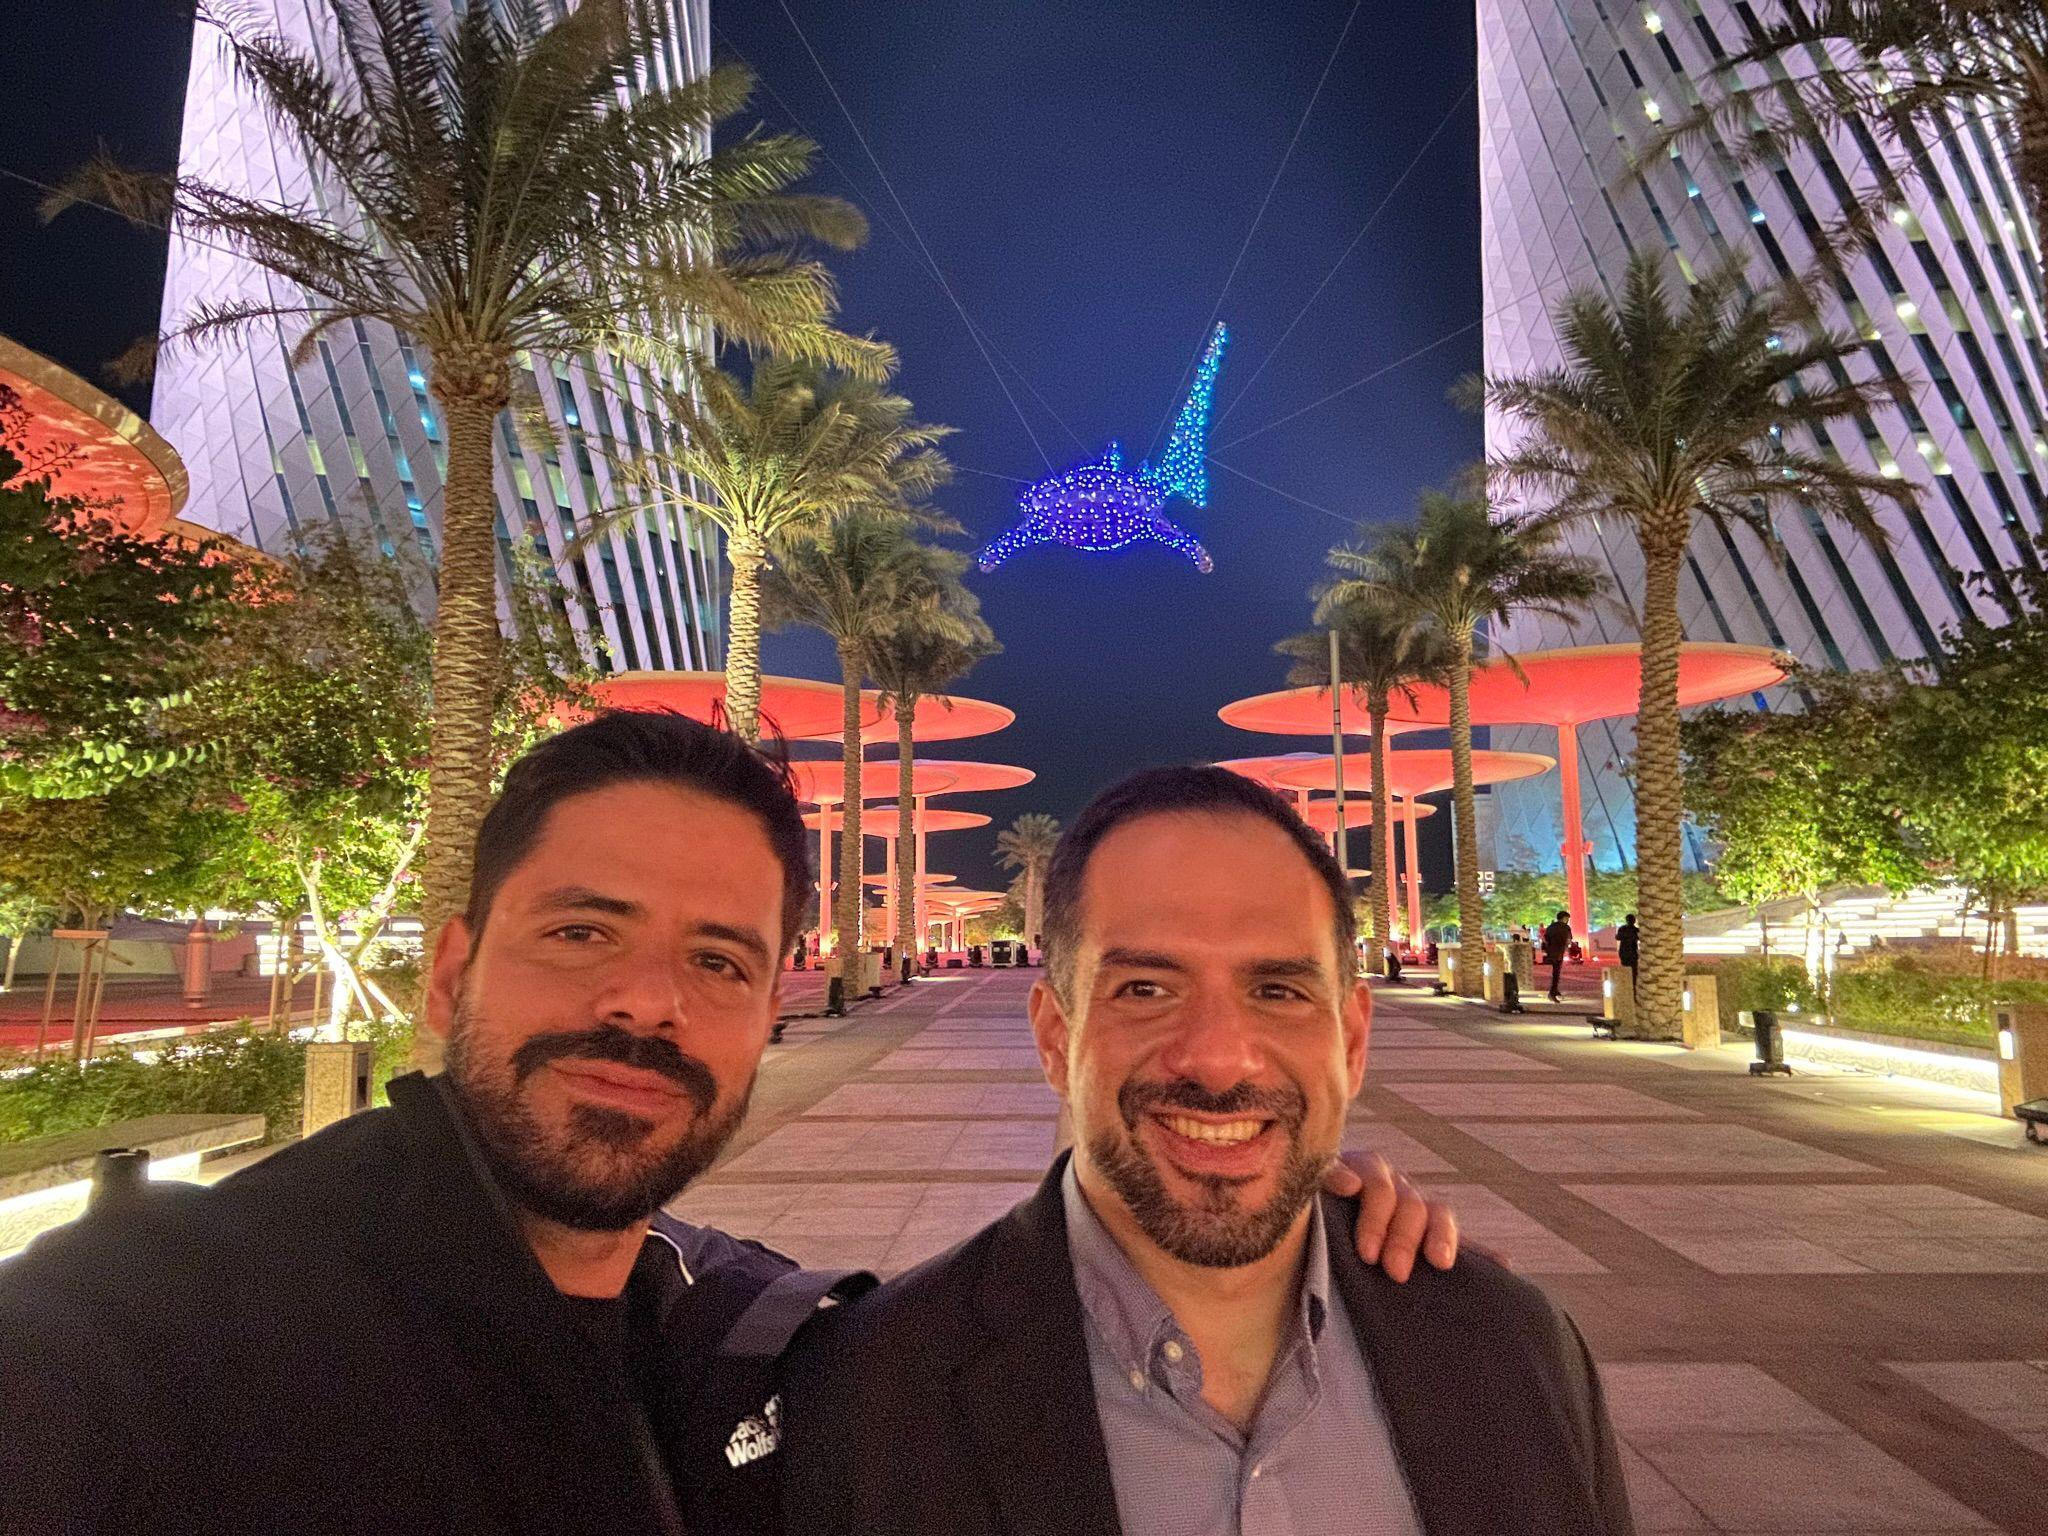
x=999, y=951
x=974, y=955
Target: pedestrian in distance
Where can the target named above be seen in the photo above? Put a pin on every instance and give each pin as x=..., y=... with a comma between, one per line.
x=1628, y=941
x=1557, y=944
x=1166, y=1338
x=467, y=1312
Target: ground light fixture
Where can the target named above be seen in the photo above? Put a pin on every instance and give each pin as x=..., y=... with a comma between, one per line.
x=1770, y=1046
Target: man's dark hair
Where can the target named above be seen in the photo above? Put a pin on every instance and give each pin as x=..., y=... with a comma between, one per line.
x=1630, y=918
x=640, y=747
x=1564, y=917
x=1168, y=791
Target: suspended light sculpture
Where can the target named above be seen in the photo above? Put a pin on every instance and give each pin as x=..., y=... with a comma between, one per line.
x=1102, y=506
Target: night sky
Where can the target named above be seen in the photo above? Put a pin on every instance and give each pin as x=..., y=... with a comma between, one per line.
x=1084, y=176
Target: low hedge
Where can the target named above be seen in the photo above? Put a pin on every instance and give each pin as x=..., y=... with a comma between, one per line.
x=1748, y=983
x=244, y=1070
x=1906, y=998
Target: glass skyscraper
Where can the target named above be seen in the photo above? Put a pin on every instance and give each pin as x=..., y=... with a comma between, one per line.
x=353, y=435
x=1950, y=298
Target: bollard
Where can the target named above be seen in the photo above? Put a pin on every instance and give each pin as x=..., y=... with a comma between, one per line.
x=337, y=1082
x=198, y=963
x=1618, y=997
x=1770, y=1046
x=1701, y=1021
x=2022, y=1034
x=119, y=1177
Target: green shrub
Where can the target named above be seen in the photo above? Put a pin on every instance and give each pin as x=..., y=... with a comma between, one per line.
x=1748, y=983
x=1907, y=997
x=244, y=1070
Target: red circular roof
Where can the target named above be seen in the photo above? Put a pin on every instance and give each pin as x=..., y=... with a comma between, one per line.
x=791, y=707
x=939, y=717
x=1414, y=772
x=890, y=880
x=1565, y=687
x=968, y=901
x=89, y=445
x=824, y=782
x=1267, y=770
x=880, y=820
x=1593, y=682
x=1302, y=712
x=1322, y=814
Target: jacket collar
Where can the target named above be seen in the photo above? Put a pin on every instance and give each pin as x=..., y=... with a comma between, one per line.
x=1026, y=1397
x=455, y=1251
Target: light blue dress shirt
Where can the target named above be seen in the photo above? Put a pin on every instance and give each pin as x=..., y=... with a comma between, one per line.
x=1319, y=1458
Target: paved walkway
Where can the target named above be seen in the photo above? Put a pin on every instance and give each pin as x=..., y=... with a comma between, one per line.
x=1820, y=1303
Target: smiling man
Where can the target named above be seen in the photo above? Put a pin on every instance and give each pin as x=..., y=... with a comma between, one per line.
x=1173, y=1337
x=466, y=1312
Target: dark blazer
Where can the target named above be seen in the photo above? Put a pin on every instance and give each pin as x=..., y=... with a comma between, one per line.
x=351, y=1339
x=957, y=1398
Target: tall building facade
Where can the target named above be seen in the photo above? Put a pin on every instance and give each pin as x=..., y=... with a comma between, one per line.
x=353, y=436
x=1950, y=298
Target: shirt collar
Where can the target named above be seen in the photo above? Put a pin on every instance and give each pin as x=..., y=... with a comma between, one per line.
x=1121, y=1303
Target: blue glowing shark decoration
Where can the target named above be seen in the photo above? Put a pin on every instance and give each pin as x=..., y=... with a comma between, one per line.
x=1101, y=505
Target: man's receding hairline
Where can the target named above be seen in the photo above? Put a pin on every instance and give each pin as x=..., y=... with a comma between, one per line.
x=1185, y=812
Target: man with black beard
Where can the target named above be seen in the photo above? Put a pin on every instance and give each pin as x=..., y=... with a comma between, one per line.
x=1172, y=1337
x=464, y=1313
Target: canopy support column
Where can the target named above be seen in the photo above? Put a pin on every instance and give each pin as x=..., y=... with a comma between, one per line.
x=921, y=907
x=824, y=879
x=1575, y=847
x=1414, y=870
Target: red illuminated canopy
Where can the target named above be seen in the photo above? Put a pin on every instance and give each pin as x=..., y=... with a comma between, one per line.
x=880, y=820
x=791, y=707
x=1302, y=712
x=94, y=447
x=824, y=782
x=1414, y=772
x=938, y=717
x=1593, y=682
x=1322, y=814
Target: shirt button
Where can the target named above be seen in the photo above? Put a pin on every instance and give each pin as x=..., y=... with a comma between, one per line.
x=1173, y=1351
x=1138, y=1380
x=1258, y=1468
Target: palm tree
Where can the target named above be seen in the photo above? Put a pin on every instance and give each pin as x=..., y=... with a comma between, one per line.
x=772, y=462
x=491, y=184
x=927, y=650
x=853, y=583
x=1378, y=651
x=1660, y=417
x=1460, y=566
x=1910, y=72
x=1027, y=846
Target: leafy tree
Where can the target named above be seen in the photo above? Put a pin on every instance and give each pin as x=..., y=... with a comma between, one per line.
x=1799, y=802
x=1460, y=566
x=1380, y=651
x=928, y=649
x=100, y=634
x=513, y=179
x=1027, y=847
x=855, y=583
x=1661, y=417
x=776, y=460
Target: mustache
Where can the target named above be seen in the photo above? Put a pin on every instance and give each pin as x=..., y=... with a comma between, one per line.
x=608, y=1042
x=1288, y=1105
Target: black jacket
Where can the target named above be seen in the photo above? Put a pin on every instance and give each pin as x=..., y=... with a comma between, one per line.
x=1557, y=939
x=350, y=1336
x=957, y=1398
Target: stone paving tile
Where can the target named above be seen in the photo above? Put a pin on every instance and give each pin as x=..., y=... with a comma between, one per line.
x=2009, y=1395
x=1727, y=1151
x=1397, y=1147
x=938, y=1100
x=1748, y=1454
x=961, y=1059
x=857, y=1225
x=1823, y=1229
x=1401, y=1058
x=1510, y=1232
x=1537, y=1101
x=890, y=1146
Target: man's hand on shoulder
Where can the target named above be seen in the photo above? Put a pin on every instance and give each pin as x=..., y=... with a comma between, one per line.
x=1395, y=1223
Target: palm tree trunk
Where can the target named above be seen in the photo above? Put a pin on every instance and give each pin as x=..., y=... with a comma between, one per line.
x=852, y=932
x=1660, y=979
x=467, y=644
x=1465, y=821
x=743, y=639
x=1376, y=709
x=1034, y=900
x=907, y=872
